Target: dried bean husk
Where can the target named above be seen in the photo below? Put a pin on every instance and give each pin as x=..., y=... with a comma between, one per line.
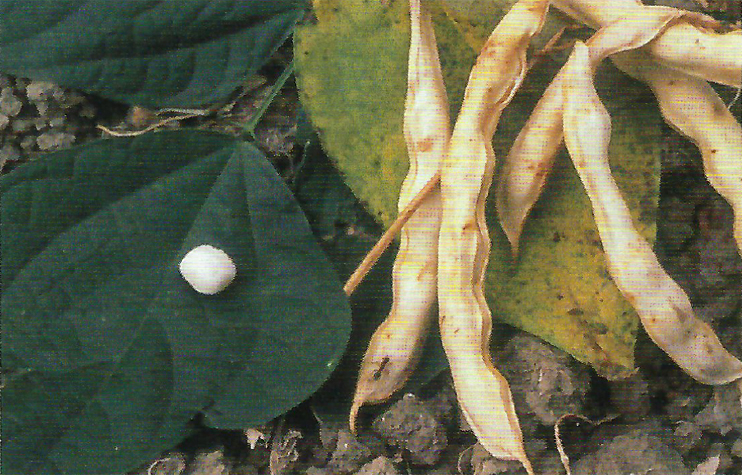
x=395, y=347
x=532, y=155
x=693, y=108
x=663, y=307
x=694, y=45
x=465, y=319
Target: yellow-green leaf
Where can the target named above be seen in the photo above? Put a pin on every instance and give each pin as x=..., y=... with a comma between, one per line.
x=352, y=66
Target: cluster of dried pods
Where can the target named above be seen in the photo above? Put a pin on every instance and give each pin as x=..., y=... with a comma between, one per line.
x=445, y=245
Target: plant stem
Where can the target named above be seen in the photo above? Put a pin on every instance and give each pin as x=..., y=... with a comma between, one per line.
x=249, y=127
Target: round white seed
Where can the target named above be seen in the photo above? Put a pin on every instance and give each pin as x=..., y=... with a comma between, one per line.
x=209, y=270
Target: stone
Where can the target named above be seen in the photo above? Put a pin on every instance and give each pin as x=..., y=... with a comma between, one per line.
x=9, y=104
x=411, y=426
x=53, y=140
x=546, y=382
x=634, y=452
x=38, y=91
x=349, y=455
x=378, y=466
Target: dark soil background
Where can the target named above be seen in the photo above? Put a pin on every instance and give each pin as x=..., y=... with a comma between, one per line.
x=657, y=422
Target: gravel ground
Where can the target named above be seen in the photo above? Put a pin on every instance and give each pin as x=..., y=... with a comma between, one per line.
x=38, y=116
x=659, y=421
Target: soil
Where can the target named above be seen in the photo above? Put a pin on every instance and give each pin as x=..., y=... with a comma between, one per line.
x=659, y=421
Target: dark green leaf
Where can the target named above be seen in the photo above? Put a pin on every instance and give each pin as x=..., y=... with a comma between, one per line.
x=175, y=53
x=107, y=352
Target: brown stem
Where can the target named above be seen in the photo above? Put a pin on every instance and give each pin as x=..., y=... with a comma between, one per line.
x=373, y=255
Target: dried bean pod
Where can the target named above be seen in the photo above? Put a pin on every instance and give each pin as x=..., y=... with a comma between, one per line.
x=690, y=46
x=711, y=56
x=528, y=164
x=692, y=107
x=465, y=320
x=663, y=307
x=532, y=155
x=395, y=346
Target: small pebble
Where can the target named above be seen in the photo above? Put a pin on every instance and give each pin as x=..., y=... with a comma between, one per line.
x=38, y=91
x=546, y=382
x=349, y=454
x=687, y=435
x=635, y=452
x=209, y=463
x=52, y=140
x=482, y=463
x=173, y=464
x=71, y=99
x=21, y=126
x=39, y=116
x=723, y=412
x=737, y=448
x=28, y=143
x=10, y=105
x=9, y=153
x=379, y=466
x=57, y=121
x=412, y=427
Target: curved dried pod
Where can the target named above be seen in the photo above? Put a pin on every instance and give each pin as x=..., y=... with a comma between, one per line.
x=531, y=157
x=691, y=45
x=692, y=107
x=463, y=251
x=395, y=347
x=596, y=13
x=711, y=56
x=528, y=164
x=663, y=307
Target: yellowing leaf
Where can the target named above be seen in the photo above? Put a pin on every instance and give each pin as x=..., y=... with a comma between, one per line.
x=352, y=68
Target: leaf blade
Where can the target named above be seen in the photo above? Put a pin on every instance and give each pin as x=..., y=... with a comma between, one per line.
x=101, y=290
x=153, y=54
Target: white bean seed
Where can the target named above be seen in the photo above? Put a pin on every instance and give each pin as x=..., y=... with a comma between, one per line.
x=207, y=269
